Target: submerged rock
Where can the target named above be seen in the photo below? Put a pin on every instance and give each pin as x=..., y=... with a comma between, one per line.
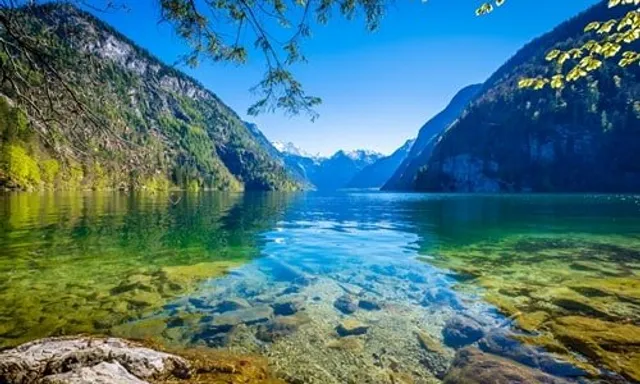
x=287, y=306
x=75, y=360
x=500, y=342
x=611, y=344
x=232, y=304
x=281, y=327
x=369, y=304
x=351, y=327
x=441, y=296
x=460, y=331
x=435, y=358
x=345, y=304
x=349, y=343
x=472, y=366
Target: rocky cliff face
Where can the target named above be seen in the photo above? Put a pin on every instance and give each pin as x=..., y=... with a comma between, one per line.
x=404, y=176
x=584, y=138
x=166, y=128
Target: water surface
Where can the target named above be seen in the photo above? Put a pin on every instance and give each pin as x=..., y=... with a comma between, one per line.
x=276, y=274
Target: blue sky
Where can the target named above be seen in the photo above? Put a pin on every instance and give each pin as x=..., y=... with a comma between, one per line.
x=377, y=88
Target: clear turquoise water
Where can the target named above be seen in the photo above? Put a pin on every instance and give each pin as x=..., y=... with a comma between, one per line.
x=160, y=266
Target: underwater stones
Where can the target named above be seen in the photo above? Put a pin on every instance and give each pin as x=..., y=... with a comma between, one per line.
x=248, y=316
x=348, y=343
x=440, y=296
x=502, y=343
x=461, y=330
x=369, y=304
x=280, y=327
x=141, y=329
x=30, y=362
x=435, y=359
x=428, y=343
x=232, y=304
x=387, y=270
x=472, y=366
x=415, y=278
x=351, y=327
x=286, y=272
x=345, y=304
x=611, y=344
x=287, y=306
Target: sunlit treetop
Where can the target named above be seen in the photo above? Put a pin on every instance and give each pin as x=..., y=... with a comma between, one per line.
x=611, y=40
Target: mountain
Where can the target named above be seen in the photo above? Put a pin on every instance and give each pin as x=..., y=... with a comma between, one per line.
x=404, y=176
x=584, y=138
x=291, y=149
x=263, y=141
x=158, y=127
x=376, y=174
x=327, y=173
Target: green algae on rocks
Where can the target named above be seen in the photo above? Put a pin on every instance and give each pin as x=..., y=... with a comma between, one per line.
x=86, y=263
x=574, y=292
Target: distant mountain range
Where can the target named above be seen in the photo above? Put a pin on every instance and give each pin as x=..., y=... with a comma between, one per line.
x=376, y=175
x=326, y=173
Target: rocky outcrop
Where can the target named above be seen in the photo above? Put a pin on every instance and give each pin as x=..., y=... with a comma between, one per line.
x=96, y=360
x=88, y=360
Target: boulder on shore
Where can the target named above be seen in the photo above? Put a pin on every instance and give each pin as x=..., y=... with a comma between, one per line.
x=79, y=360
x=91, y=360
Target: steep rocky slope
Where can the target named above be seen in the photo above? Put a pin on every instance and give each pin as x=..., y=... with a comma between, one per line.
x=164, y=128
x=584, y=138
x=404, y=176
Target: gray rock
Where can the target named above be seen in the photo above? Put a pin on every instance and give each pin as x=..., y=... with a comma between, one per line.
x=345, y=304
x=28, y=362
x=103, y=373
x=460, y=331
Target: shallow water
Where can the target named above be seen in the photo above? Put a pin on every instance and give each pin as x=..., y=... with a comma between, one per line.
x=276, y=274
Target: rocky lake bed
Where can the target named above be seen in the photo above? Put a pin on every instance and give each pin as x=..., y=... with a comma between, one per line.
x=306, y=298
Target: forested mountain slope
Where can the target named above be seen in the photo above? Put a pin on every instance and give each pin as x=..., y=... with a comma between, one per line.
x=583, y=138
x=158, y=128
x=404, y=176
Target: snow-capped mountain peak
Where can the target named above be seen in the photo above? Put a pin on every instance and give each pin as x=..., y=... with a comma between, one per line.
x=291, y=149
x=363, y=154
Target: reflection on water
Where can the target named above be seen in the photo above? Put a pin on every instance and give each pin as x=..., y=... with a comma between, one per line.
x=83, y=263
x=336, y=288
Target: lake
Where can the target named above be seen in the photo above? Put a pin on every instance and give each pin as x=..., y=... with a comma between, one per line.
x=345, y=287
